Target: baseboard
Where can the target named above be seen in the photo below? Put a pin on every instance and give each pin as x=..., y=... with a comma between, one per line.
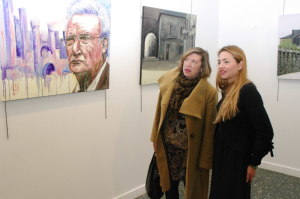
x=134, y=193
x=281, y=169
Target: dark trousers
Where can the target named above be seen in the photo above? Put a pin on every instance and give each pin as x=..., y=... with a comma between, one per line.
x=173, y=192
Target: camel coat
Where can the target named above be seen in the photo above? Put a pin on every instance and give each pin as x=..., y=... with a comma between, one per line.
x=200, y=110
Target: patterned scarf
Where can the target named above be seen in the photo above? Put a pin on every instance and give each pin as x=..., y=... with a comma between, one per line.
x=183, y=88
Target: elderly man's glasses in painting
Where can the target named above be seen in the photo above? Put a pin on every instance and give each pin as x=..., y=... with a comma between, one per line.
x=83, y=39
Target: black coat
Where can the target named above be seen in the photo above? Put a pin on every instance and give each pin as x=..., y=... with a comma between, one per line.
x=250, y=131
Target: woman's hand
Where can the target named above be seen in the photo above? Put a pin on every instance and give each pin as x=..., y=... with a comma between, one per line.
x=251, y=172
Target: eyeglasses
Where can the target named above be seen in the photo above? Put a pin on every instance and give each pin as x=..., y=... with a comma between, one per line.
x=83, y=39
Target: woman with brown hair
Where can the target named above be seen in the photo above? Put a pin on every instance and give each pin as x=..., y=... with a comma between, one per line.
x=183, y=128
x=243, y=133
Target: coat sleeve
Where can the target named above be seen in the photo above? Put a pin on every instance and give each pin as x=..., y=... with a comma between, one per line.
x=156, y=120
x=209, y=131
x=263, y=131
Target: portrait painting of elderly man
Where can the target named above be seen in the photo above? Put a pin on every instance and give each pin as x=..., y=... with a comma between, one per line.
x=46, y=54
x=87, y=45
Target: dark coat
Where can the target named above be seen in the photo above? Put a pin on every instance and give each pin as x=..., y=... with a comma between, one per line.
x=250, y=131
x=199, y=109
x=239, y=142
x=103, y=82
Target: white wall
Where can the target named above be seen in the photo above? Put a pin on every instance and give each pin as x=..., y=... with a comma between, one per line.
x=253, y=25
x=63, y=147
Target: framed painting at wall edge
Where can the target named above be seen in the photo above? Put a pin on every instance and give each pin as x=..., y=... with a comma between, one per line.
x=288, y=65
x=166, y=35
x=45, y=54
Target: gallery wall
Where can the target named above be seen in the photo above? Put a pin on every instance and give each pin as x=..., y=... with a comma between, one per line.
x=253, y=25
x=96, y=144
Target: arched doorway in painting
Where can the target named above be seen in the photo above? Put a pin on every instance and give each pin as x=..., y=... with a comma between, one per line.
x=48, y=69
x=150, y=49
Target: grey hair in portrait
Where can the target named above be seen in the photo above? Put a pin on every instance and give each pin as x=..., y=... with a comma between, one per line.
x=91, y=7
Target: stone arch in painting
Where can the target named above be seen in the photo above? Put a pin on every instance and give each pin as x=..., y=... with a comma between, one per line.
x=45, y=49
x=150, y=48
x=48, y=69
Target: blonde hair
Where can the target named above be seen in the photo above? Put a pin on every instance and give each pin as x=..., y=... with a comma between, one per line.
x=229, y=108
x=206, y=69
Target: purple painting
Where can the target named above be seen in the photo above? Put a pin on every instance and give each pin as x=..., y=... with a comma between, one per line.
x=53, y=47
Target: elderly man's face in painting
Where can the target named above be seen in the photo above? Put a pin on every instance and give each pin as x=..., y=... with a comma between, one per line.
x=84, y=48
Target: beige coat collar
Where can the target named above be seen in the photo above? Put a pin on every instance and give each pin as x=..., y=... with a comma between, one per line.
x=191, y=105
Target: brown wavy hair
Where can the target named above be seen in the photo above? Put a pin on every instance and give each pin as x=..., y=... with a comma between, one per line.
x=183, y=86
x=229, y=108
x=206, y=69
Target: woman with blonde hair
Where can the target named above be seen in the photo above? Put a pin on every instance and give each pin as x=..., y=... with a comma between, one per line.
x=183, y=128
x=243, y=133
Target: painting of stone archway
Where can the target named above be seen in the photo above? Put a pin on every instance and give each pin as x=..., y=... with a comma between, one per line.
x=166, y=35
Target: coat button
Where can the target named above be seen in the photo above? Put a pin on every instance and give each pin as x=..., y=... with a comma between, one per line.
x=192, y=135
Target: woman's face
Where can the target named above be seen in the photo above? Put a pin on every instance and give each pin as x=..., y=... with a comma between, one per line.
x=192, y=66
x=229, y=68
